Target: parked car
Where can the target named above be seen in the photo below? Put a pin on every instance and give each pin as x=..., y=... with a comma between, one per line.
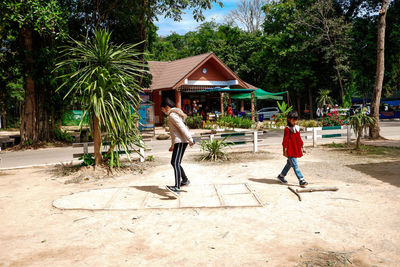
x=268, y=113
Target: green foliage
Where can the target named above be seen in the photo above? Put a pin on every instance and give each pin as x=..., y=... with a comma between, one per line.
x=324, y=98
x=28, y=142
x=88, y=160
x=44, y=17
x=62, y=136
x=194, y=122
x=234, y=122
x=359, y=122
x=113, y=159
x=150, y=158
x=333, y=119
x=107, y=81
x=280, y=118
x=309, y=123
x=213, y=150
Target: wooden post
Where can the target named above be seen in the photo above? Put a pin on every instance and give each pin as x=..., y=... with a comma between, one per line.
x=255, y=142
x=222, y=103
x=252, y=106
x=348, y=134
x=241, y=105
x=314, y=137
x=178, y=99
x=287, y=97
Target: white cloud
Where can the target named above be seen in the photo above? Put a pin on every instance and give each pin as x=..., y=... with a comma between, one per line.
x=188, y=23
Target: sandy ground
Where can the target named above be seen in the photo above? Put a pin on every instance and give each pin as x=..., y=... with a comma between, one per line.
x=357, y=225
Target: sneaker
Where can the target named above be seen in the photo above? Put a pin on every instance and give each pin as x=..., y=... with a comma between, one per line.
x=282, y=179
x=303, y=183
x=173, y=190
x=185, y=183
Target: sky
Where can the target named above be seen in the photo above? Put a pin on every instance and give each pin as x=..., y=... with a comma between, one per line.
x=216, y=13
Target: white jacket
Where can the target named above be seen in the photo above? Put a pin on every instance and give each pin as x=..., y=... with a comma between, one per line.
x=177, y=128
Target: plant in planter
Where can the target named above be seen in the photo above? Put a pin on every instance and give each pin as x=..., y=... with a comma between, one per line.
x=280, y=118
x=213, y=150
x=359, y=122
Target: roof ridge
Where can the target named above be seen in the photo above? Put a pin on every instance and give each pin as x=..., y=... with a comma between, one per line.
x=185, y=58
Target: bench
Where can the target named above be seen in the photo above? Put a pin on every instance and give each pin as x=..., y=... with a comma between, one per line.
x=86, y=146
x=236, y=138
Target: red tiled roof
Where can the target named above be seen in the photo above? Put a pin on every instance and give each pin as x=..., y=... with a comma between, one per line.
x=167, y=74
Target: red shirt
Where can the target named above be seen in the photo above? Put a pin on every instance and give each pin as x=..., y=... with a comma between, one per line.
x=292, y=141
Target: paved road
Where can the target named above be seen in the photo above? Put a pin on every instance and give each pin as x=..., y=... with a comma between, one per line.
x=17, y=159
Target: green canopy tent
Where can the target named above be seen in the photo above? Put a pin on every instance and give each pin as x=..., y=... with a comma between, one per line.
x=259, y=94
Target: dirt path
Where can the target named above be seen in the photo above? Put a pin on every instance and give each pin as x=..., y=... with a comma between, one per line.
x=358, y=224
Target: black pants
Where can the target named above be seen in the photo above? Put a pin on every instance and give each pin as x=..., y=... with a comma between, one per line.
x=179, y=150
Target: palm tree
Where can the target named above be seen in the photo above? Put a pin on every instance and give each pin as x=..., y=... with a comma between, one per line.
x=324, y=98
x=360, y=122
x=105, y=76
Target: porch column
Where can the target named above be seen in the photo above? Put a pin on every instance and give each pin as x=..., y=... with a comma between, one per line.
x=178, y=99
x=222, y=103
x=252, y=107
x=241, y=105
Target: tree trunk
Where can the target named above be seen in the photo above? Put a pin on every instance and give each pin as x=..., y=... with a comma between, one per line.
x=97, y=142
x=310, y=100
x=359, y=138
x=341, y=86
x=3, y=116
x=380, y=71
x=28, y=127
x=298, y=104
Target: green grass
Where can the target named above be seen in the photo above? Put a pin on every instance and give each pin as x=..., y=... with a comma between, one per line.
x=366, y=150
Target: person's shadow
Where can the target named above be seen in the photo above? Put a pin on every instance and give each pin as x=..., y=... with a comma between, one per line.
x=164, y=193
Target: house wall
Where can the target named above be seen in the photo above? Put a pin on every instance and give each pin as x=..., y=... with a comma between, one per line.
x=156, y=98
x=214, y=73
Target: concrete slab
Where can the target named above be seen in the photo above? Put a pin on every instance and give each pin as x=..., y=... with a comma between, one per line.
x=155, y=197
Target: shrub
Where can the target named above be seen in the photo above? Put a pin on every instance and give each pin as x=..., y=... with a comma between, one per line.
x=88, y=160
x=359, y=122
x=333, y=119
x=209, y=125
x=62, y=136
x=234, y=122
x=195, y=122
x=309, y=123
x=213, y=150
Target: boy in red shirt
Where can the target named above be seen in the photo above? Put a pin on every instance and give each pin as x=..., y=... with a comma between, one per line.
x=292, y=149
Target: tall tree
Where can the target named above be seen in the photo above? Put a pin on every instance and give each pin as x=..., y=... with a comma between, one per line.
x=38, y=23
x=380, y=70
x=249, y=14
x=332, y=36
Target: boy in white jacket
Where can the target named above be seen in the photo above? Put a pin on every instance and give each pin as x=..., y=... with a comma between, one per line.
x=180, y=138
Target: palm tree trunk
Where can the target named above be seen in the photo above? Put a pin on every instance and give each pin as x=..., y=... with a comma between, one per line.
x=380, y=71
x=97, y=142
x=359, y=138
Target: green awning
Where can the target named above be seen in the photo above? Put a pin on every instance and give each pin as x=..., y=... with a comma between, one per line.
x=259, y=94
x=224, y=90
